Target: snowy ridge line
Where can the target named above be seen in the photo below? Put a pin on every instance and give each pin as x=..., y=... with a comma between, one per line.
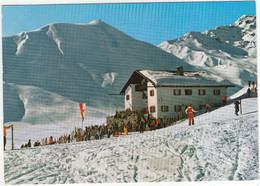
x=221, y=50
x=102, y=65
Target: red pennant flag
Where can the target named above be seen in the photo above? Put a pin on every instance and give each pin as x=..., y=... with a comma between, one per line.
x=82, y=107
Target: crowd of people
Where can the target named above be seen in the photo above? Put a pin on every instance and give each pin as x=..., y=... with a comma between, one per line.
x=96, y=132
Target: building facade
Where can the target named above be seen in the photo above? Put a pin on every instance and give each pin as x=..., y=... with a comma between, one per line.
x=168, y=93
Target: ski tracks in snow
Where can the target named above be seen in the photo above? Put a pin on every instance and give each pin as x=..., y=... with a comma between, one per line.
x=213, y=149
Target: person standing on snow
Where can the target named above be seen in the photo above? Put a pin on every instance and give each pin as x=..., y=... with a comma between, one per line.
x=248, y=92
x=51, y=140
x=159, y=123
x=125, y=130
x=5, y=128
x=29, y=143
x=249, y=83
x=224, y=100
x=190, y=112
x=237, y=102
x=253, y=84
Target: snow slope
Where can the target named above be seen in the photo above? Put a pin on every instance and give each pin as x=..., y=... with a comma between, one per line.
x=220, y=146
x=81, y=62
x=43, y=107
x=226, y=51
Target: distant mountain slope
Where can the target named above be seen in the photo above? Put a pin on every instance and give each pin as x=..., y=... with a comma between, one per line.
x=227, y=51
x=35, y=105
x=81, y=62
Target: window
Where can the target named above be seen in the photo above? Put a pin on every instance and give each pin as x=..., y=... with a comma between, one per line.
x=176, y=92
x=164, y=108
x=188, y=92
x=216, y=92
x=152, y=109
x=202, y=92
x=177, y=108
x=127, y=97
x=151, y=92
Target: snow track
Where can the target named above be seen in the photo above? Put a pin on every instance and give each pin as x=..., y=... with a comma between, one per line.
x=219, y=147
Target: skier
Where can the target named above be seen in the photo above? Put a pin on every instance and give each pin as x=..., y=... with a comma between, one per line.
x=5, y=128
x=237, y=102
x=190, y=112
x=253, y=84
x=249, y=83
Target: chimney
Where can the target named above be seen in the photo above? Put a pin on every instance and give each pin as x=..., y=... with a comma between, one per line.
x=180, y=71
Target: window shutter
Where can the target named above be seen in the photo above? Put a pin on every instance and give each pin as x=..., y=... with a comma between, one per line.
x=151, y=92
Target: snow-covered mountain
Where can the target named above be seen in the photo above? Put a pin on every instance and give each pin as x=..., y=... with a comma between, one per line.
x=227, y=51
x=219, y=147
x=81, y=62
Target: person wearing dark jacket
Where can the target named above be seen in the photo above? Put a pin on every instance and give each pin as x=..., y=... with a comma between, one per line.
x=108, y=133
x=248, y=92
x=29, y=143
x=237, y=102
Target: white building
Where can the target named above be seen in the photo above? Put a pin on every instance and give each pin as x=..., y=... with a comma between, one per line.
x=167, y=93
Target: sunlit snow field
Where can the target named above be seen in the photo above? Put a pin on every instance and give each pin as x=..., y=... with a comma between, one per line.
x=219, y=147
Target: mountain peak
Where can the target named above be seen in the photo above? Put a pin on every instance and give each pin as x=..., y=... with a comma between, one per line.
x=246, y=21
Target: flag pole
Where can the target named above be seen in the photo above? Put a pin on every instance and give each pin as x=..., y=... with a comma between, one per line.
x=82, y=107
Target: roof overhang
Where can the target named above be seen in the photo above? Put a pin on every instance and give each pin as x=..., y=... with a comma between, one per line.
x=136, y=78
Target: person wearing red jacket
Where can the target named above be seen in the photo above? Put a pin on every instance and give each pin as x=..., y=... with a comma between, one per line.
x=51, y=140
x=190, y=112
x=5, y=128
x=224, y=99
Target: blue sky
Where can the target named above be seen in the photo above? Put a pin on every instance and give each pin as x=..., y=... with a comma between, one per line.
x=150, y=22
